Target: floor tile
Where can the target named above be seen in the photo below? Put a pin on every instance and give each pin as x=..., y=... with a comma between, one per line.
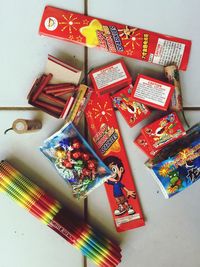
x=33, y=243
x=172, y=226
x=24, y=52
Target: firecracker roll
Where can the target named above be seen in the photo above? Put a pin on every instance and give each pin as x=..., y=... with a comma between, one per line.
x=75, y=160
x=22, y=126
x=172, y=75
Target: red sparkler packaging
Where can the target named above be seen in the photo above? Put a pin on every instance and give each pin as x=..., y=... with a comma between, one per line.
x=132, y=111
x=152, y=92
x=114, y=37
x=142, y=144
x=108, y=143
x=110, y=78
x=163, y=131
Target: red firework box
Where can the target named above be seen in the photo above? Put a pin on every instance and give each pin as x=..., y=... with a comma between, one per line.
x=57, y=91
x=108, y=143
x=114, y=37
x=110, y=78
x=142, y=144
x=152, y=92
x=163, y=131
x=132, y=111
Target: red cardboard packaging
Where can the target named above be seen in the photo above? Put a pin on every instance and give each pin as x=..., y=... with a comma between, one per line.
x=152, y=92
x=111, y=77
x=142, y=144
x=108, y=143
x=114, y=37
x=132, y=111
x=163, y=131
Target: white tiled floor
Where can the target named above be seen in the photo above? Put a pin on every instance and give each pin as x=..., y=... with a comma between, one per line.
x=171, y=235
x=32, y=243
x=23, y=52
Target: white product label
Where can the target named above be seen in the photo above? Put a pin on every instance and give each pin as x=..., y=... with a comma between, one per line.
x=152, y=92
x=127, y=219
x=168, y=52
x=109, y=75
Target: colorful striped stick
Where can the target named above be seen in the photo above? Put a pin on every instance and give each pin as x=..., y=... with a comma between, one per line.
x=92, y=244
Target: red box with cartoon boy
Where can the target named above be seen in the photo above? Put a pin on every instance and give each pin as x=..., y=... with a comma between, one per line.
x=163, y=131
x=142, y=144
x=132, y=111
x=108, y=143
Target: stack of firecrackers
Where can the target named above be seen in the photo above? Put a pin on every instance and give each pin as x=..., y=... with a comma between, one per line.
x=58, y=91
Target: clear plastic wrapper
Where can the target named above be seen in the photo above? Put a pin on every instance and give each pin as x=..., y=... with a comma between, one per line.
x=75, y=160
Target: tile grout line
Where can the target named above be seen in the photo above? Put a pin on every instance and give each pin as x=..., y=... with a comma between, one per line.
x=18, y=108
x=85, y=211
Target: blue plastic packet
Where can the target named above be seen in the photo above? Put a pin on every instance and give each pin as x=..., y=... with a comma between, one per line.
x=179, y=167
x=75, y=160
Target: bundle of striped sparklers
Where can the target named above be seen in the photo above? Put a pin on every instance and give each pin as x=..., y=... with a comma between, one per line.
x=48, y=210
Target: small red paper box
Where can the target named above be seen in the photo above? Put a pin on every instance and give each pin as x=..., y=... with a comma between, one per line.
x=163, y=131
x=114, y=37
x=142, y=144
x=152, y=92
x=132, y=111
x=57, y=92
x=111, y=77
x=108, y=143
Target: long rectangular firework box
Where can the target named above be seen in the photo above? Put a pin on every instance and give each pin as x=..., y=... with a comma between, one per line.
x=115, y=37
x=108, y=143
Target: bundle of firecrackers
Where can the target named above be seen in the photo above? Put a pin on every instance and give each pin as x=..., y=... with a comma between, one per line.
x=59, y=92
x=173, y=153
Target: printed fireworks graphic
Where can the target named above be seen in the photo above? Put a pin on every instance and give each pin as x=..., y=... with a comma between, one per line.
x=70, y=23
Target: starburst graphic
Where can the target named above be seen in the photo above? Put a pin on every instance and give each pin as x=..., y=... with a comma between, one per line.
x=184, y=154
x=102, y=111
x=164, y=170
x=79, y=39
x=133, y=41
x=71, y=37
x=85, y=22
x=69, y=23
x=89, y=114
x=90, y=102
x=130, y=36
x=129, y=52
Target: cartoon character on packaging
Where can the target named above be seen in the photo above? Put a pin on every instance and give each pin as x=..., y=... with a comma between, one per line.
x=164, y=131
x=129, y=105
x=116, y=166
x=174, y=179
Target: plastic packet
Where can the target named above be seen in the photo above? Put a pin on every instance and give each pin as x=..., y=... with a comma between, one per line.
x=75, y=160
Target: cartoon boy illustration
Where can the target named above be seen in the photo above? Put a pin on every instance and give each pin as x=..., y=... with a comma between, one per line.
x=116, y=166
